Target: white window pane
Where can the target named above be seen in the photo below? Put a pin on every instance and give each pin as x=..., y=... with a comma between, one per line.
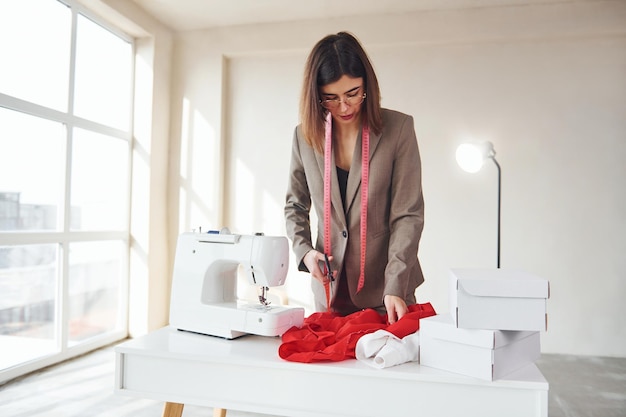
x=94, y=288
x=103, y=75
x=32, y=167
x=99, y=192
x=35, y=46
x=27, y=302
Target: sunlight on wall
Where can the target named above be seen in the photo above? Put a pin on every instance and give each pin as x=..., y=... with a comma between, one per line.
x=267, y=217
x=256, y=208
x=245, y=209
x=200, y=171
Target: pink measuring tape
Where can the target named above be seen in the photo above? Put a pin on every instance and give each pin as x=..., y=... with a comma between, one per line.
x=365, y=159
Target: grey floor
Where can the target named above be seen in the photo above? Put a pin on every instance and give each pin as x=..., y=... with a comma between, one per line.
x=83, y=387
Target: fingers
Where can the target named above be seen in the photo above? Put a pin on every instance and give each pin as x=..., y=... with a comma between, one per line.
x=401, y=310
x=314, y=261
x=396, y=308
x=391, y=315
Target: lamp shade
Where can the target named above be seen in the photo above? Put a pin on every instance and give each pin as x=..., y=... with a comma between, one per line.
x=471, y=156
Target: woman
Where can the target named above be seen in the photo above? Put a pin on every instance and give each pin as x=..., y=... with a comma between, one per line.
x=358, y=165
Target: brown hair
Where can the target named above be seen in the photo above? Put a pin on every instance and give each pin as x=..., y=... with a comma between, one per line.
x=330, y=59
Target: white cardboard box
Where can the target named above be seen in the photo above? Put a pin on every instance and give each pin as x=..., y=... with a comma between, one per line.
x=484, y=354
x=498, y=299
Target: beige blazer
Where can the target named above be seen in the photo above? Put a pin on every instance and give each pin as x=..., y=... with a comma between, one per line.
x=395, y=214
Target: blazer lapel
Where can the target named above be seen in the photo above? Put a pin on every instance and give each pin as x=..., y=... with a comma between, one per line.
x=335, y=192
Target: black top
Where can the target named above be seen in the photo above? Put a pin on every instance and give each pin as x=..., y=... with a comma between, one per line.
x=342, y=176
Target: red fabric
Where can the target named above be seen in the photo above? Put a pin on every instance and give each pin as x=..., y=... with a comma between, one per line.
x=330, y=337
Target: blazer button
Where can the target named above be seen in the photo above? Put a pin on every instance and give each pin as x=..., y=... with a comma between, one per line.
x=344, y=233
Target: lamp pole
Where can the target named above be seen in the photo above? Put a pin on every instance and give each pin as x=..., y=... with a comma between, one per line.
x=499, y=203
x=470, y=158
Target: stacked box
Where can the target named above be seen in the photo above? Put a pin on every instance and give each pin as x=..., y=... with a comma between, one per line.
x=498, y=299
x=493, y=326
x=483, y=354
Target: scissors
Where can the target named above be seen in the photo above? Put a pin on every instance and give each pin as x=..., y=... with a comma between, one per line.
x=328, y=271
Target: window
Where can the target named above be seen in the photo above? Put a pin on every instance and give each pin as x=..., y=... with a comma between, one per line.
x=66, y=83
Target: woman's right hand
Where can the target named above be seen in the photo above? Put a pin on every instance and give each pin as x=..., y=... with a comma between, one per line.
x=314, y=262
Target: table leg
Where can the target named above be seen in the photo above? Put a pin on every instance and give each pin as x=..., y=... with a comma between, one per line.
x=173, y=410
x=219, y=412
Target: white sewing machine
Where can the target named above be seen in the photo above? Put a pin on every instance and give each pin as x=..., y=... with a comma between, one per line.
x=204, y=285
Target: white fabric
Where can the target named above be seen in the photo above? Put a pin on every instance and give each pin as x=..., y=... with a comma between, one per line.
x=382, y=349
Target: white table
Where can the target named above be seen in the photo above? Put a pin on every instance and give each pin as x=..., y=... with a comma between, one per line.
x=247, y=374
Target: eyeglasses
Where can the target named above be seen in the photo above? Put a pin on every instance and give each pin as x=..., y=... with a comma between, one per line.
x=332, y=104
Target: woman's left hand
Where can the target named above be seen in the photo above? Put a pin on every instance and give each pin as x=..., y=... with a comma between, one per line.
x=396, y=308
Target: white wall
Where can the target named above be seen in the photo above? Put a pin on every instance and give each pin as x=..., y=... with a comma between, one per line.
x=545, y=84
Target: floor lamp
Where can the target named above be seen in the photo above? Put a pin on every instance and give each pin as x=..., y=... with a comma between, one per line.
x=470, y=157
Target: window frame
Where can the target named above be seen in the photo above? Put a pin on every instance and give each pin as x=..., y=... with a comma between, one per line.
x=65, y=236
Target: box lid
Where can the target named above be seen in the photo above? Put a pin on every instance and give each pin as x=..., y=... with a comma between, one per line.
x=482, y=282
x=442, y=327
